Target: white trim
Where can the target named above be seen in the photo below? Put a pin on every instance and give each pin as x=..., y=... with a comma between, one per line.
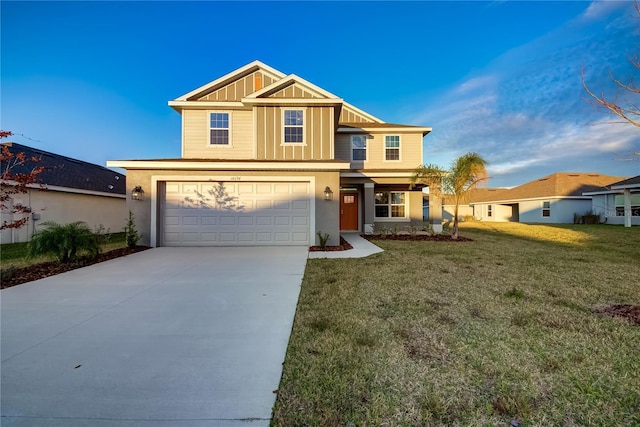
x=387, y=130
x=286, y=81
x=293, y=101
x=624, y=187
x=304, y=127
x=366, y=148
x=203, y=178
x=230, y=76
x=229, y=129
x=203, y=105
x=362, y=112
x=384, y=148
x=405, y=218
x=532, y=199
x=376, y=174
x=47, y=187
x=226, y=165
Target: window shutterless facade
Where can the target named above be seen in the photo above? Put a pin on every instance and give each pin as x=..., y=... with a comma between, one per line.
x=392, y=147
x=293, y=126
x=546, y=208
x=390, y=204
x=358, y=148
x=635, y=205
x=219, y=129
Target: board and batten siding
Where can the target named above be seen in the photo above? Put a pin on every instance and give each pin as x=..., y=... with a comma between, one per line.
x=240, y=88
x=195, y=136
x=293, y=91
x=319, y=134
x=410, y=151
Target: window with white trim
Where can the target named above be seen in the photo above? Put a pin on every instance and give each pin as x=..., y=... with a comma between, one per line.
x=358, y=147
x=546, y=208
x=390, y=204
x=392, y=147
x=635, y=205
x=293, y=126
x=219, y=130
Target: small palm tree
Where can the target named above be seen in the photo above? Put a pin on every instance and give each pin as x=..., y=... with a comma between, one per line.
x=65, y=242
x=466, y=173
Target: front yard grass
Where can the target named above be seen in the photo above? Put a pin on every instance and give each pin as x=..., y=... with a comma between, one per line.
x=502, y=329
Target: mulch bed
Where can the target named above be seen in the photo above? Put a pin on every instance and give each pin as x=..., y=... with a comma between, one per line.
x=344, y=245
x=416, y=237
x=627, y=311
x=17, y=276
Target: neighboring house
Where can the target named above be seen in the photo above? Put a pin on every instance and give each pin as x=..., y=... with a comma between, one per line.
x=448, y=207
x=71, y=190
x=552, y=199
x=272, y=159
x=619, y=202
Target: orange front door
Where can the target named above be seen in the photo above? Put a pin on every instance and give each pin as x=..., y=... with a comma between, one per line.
x=348, y=211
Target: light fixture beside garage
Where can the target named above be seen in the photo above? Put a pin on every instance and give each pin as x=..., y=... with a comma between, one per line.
x=328, y=194
x=137, y=193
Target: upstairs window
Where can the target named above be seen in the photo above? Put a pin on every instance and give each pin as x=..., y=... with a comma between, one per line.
x=392, y=147
x=219, y=129
x=294, y=126
x=390, y=204
x=358, y=148
x=546, y=208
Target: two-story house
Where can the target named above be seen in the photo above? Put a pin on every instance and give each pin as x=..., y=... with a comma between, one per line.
x=272, y=159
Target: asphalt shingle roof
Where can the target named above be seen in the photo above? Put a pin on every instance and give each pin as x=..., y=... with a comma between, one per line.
x=64, y=171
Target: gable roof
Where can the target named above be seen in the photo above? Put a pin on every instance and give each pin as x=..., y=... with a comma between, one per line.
x=633, y=182
x=228, y=78
x=61, y=171
x=560, y=184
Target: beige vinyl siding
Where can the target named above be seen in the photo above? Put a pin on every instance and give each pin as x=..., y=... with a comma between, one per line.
x=293, y=91
x=319, y=134
x=195, y=137
x=240, y=88
x=410, y=151
x=349, y=116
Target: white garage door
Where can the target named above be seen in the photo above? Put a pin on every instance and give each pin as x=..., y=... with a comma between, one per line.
x=236, y=213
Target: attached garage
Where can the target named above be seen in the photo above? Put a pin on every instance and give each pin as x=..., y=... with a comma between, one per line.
x=228, y=213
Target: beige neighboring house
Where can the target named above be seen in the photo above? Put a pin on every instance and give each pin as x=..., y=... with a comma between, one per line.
x=272, y=159
x=70, y=190
x=551, y=199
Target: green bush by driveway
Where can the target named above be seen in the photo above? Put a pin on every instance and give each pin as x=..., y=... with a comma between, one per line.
x=502, y=329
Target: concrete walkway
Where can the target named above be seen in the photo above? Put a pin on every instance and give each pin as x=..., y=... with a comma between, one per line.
x=166, y=337
x=361, y=248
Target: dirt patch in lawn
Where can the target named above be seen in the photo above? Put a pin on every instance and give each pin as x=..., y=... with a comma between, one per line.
x=627, y=311
x=343, y=246
x=17, y=276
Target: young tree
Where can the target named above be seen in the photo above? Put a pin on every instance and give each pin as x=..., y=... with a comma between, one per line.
x=17, y=172
x=467, y=173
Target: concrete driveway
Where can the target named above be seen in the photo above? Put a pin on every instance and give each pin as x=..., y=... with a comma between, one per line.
x=165, y=337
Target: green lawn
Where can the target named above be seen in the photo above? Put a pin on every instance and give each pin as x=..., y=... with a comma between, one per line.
x=470, y=333
x=16, y=254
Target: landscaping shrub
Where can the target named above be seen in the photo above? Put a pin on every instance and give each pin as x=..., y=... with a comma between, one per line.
x=65, y=242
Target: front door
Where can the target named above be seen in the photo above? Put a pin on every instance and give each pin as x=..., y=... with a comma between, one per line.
x=348, y=211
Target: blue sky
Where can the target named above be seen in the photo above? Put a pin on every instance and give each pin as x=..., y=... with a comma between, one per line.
x=91, y=80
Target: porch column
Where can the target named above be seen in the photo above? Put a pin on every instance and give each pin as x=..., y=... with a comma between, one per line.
x=627, y=207
x=369, y=207
x=435, y=212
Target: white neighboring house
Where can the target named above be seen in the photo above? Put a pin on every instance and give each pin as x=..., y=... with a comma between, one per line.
x=70, y=190
x=551, y=199
x=619, y=202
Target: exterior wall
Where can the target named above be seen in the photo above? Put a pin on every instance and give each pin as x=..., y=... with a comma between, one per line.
x=410, y=151
x=293, y=91
x=604, y=204
x=327, y=213
x=500, y=213
x=195, y=136
x=463, y=210
x=240, y=88
x=65, y=208
x=319, y=134
x=562, y=210
x=347, y=115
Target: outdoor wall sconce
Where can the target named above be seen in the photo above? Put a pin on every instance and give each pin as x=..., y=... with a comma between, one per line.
x=137, y=193
x=328, y=194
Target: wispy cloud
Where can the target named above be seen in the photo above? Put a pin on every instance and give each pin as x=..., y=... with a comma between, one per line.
x=526, y=112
